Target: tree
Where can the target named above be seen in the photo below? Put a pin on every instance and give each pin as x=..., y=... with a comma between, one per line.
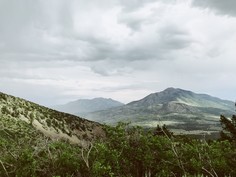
x=229, y=128
x=163, y=131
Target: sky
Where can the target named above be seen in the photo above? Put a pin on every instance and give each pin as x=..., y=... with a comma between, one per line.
x=55, y=51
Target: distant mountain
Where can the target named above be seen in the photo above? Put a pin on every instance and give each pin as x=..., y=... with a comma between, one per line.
x=19, y=117
x=86, y=105
x=180, y=109
x=183, y=96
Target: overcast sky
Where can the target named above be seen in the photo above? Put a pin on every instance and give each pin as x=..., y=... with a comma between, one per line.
x=55, y=51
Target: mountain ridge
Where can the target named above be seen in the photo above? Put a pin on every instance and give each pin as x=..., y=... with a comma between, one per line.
x=88, y=105
x=173, y=106
x=175, y=94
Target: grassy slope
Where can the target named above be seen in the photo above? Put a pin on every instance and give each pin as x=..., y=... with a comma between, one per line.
x=21, y=117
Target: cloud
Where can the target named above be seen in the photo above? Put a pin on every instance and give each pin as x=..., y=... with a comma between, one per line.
x=119, y=49
x=174, y=38
x=134, y=4
x=112, y=67
x=227, y=7
x=62, y=33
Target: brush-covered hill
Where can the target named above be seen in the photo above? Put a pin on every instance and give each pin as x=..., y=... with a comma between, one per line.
x=88, y=105
x=19, y=117
x=177, y=108
x=26, y=147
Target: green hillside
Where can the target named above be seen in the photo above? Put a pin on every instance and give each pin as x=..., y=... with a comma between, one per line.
x=21, y=117
x=37, y=141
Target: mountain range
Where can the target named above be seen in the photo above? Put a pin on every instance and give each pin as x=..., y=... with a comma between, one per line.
x=180, y=109
x=82, y=106
x=38, y=141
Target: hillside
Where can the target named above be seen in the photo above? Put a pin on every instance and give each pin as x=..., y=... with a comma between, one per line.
x=34, y=142
x=177, y=108
x=23, y=118
x=88, y=105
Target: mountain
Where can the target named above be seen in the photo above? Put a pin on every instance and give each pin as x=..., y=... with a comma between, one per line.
x=19, y=117
x=86, y=105
x=180, y=109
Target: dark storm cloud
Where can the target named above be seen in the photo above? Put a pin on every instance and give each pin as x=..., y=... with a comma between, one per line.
x=224, y=7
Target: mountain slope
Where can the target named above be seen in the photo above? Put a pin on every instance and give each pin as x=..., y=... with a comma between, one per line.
x=183, y=96
x=21, y=117
x=86, y=105
x=175, y=107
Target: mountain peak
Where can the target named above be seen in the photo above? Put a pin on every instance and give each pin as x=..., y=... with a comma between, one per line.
x=174, y=106
x=181, y=96
x=172, y=90
x=167, y=95
x=88, y=105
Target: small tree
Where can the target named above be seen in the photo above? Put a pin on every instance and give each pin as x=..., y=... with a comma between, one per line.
x=229, y=128
x=163, y=131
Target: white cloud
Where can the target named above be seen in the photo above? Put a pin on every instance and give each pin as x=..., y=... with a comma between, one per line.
x=57, y=50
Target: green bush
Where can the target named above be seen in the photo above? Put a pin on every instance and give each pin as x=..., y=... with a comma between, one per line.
x=126, y=152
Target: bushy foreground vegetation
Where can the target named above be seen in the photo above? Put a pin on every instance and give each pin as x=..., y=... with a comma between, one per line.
x=125, y=152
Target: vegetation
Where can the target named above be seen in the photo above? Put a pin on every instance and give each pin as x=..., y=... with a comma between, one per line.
x=229, y=128
x=126, y=152
x=53, y=123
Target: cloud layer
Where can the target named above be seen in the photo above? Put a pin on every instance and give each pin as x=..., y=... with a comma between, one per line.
x=58, y=50
x=227, y=7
